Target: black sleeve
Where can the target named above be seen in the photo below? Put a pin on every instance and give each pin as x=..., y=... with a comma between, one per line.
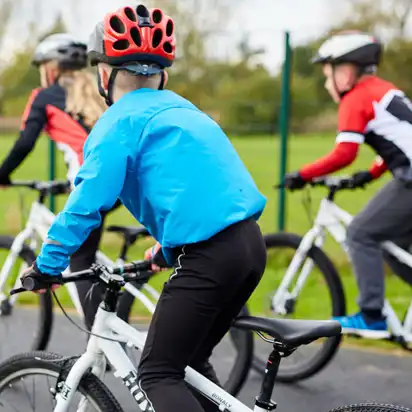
x=34, y=119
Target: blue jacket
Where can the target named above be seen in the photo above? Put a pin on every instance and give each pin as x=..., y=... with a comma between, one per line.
x=169, y=163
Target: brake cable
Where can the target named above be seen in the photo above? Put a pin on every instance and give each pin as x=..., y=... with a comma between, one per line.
x=80, y=327
x=307, y=204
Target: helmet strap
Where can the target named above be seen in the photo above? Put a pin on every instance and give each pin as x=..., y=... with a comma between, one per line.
x=108, y=97
x=162, y=80
x=110, y=87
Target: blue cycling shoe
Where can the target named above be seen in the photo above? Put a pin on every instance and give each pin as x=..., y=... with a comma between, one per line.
x=356, y=325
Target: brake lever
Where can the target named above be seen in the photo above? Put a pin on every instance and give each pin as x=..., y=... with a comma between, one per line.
x=16, y=291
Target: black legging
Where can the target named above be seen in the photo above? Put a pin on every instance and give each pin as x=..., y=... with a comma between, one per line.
x=82, y=259
x=211, y=283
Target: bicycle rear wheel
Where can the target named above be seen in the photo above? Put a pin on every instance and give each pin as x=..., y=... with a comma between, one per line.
x=371, y=407
x=232, y=357
x=29, y=312
x=27, y=382
x=321, y=297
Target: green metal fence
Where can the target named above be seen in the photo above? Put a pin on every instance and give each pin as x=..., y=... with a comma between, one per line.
x=284, y=117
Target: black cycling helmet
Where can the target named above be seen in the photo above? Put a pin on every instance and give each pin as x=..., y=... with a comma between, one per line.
x=358, y=48
x=65, y=49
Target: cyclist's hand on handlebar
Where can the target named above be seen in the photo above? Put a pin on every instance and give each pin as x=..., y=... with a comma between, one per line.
x=294, y=181
x=33, y=280
x=360, y=179
x=155, y=255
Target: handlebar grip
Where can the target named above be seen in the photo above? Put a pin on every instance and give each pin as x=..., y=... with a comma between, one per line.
x=140, y=265
x=30, y=283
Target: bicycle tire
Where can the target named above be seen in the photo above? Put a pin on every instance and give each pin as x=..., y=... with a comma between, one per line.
x=371, y=407
x=90, y=385
x=244, y=342
x=334, y=284
x=45, y=324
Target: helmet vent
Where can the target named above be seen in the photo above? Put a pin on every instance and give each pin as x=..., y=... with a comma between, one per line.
x=117, y=25
x=142, y=11
x=121, y=44
x=134, y=32
x=169, y=28
x=167, y=47
x=157, y=37
x=130, y=14
x=157, y=16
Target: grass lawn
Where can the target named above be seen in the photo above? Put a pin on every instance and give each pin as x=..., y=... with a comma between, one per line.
x=261, y=157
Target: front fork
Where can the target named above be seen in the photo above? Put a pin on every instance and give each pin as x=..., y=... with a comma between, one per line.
x=6, y=270
x=283, y=301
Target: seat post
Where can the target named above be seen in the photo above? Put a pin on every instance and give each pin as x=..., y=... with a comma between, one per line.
x=264, y=400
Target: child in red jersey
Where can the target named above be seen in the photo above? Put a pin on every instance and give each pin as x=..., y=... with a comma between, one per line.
x=375, y=112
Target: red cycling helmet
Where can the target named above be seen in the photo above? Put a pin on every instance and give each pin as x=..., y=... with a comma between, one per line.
x=139, y=38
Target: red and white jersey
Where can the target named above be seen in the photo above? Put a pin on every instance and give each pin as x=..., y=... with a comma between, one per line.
x=374, y=112
x=46, y=110
x=379, y=114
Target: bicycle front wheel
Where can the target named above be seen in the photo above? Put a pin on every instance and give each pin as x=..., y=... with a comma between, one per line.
x=320, y=297
x=27, y=383
x=27, y=312
x=371, y=407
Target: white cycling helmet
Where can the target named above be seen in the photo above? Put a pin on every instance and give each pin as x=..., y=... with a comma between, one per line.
x=65, y=49
x=361, y=49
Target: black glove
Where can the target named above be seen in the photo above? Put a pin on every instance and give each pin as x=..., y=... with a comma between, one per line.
x=159, y=259
x=4, y=180
x=32, y=279
x=294, y=181
x=360, y=179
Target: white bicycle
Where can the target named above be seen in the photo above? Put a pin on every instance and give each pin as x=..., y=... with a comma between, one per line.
x=19, y=252
x=75, y=383
x=306, y=265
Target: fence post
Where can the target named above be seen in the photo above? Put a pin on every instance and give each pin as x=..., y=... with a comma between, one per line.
x=284, y=129
x=52, y=171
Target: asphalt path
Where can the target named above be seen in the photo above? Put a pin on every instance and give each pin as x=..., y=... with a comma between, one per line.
x=353, y=376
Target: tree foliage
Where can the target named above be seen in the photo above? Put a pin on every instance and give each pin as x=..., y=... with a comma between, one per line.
x=241, y=94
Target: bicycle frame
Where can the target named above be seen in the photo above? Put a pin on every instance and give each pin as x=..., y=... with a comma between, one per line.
x=38, y=223
x=107, y=324
x=37, y=226
x=333, y=219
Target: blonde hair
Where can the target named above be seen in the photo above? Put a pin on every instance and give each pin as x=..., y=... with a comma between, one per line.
x=83, y=100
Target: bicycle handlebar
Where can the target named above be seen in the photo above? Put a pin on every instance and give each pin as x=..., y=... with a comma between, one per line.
x=55, y=186
x=116, y=274
x=335, y=183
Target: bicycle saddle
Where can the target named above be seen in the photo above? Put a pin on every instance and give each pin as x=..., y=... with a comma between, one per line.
x=291, y=332
x=130, y=232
